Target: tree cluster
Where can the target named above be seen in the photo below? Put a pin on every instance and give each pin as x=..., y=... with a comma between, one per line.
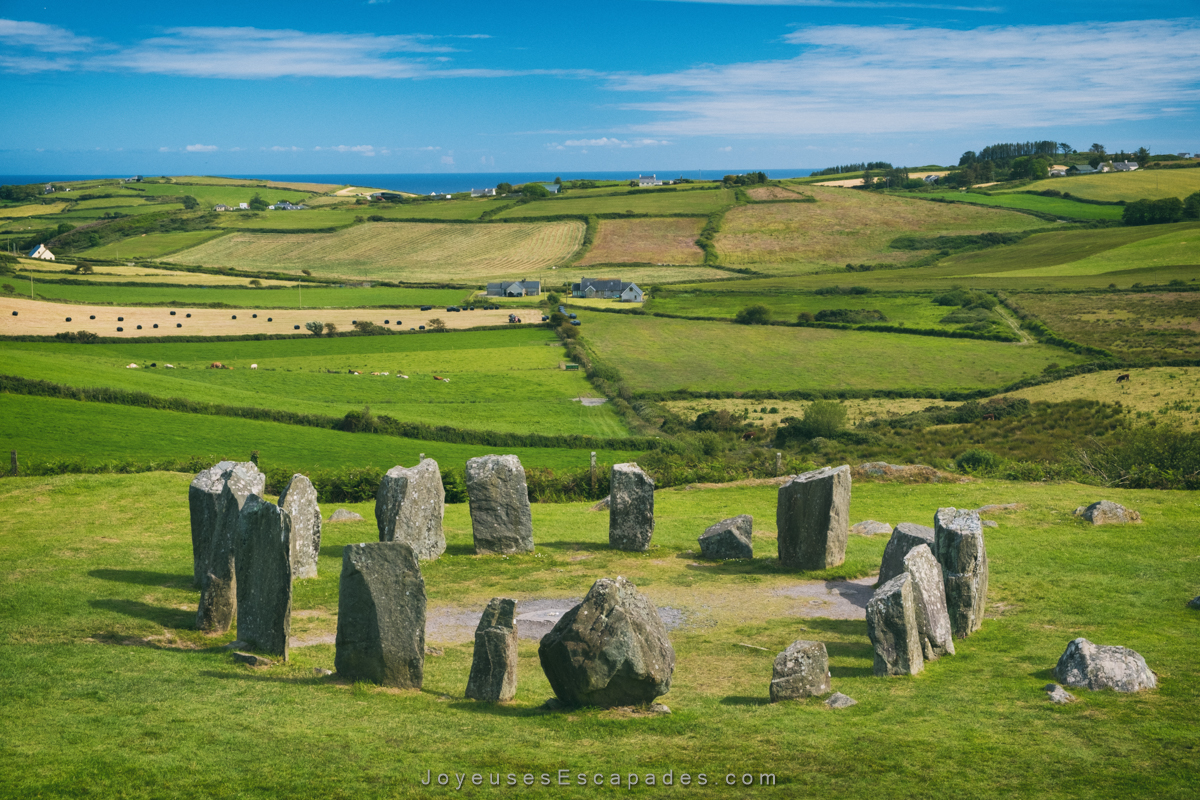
x=1153, y=212
x=844, y=168
x=749, y=179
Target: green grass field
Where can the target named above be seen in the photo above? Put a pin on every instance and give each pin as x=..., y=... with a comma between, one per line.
x=1177, y=247
x=85, y=215
x=152, y=245
x=1150, y=325
x=1152, y=184
x=45, y=429
x=915, y=311
x=109, y=691
x=212, y=194
x=681, y=203
x=659, y=355
x=499, y=380
x=31, y=210
x=339, y=216
x=400, y=251
x=109, y=202
x=239, y=297
x=1048, y=205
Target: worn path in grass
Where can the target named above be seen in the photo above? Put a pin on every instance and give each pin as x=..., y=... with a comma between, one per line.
x=109, y=691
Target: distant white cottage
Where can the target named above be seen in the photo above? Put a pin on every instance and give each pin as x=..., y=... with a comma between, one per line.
x=220, y=207
x=1125, y=166
x=514, y=289
x=41, y=252
x=608, y=288
x=648, y=180
x=483, y=193
x=243, y=206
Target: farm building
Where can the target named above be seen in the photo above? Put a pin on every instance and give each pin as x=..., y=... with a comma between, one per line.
x=41, y=252
x=220, y=207
x=1082, y=169
x=649, y=180
x=1125, y=166
x=514, y=289
x=1058, y=173
x=483, y=193
x=931, y=178
x=610, y=288
x=284, y=205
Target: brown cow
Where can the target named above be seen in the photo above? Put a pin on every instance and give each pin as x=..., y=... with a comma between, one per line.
x=1123, y=377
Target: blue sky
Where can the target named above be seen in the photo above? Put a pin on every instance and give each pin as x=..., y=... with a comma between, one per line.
x=374, y=86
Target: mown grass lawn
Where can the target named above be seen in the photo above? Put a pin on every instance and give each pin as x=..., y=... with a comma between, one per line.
x=660, y=355
x=108, y=692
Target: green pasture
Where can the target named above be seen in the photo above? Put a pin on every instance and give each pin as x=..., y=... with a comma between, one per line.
x=47, y=429
x=308, y=296
x=32, y=209
x=110, y=692
x=111, y=202
x=1145, y=325
x=1178, y=247
x=1047, y=205
x=457, y=209
x=681, y=203
x=655, y=354
x=916, y=311
x=85, y=215
x=498, y=380
x=152, y=245
x=212, y=194
x=308, y=219
x=1149, y=184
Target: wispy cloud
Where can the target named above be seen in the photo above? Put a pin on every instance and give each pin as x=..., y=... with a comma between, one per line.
x=884, y=79
x=361, y=149
x=877, y=4
x=45, y=38
x=201, y=148
x=606, y=141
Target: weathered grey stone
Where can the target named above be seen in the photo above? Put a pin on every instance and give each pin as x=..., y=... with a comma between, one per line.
x=381, y=615
x=204, y=503
x=1105, y=512
x=610, y=650
x=992, y=508
x=264, y=577
x=1195, y=602
x=493, y=676
x=905, y=537
x=343, y=515
x=893, y=629
x=218, y=579
x=630, y=508
x=929, y=592
x=1058, y=695
x=869, y=527
x=1096, y=666
x=802, y=670
x=409, y=507
x=729, y=538
x=299, y=500
x=813, y=518
x=320, y=672
x=989, y=523
x=959, y=547
x=252, y=660
x=839, y=700
x=499, y=499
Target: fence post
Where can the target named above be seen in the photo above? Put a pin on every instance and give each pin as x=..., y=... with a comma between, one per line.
x=15, y=469
x=593, y=470
x=778, y=464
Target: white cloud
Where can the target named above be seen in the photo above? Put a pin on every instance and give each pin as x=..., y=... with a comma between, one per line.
x=884, y=79
x=448, y=160
x=279, y=149
x=429, y=148
x=876, y=4
x=726, y=149
x=607, y=142
x=201, y=148
x=164, y=149
x=361, y=149
x=37, y=36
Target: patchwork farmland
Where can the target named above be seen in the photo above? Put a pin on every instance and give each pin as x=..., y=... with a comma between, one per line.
x=650, y=241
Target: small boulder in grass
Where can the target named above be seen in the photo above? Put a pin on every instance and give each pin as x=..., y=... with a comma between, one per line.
x=1058, y=695
x=839, y=700
x=729, y=538
x=870, y=527
x=342, y=515
x=802, y=670
x=250, y=659
x=1085, y=665
x=1106, y=512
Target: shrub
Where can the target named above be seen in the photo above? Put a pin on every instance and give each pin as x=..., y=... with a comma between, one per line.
x=436, y=324
x=977, y=460
x=753, y=315
x=805, y=316
x=850, y=316
x=316, y=328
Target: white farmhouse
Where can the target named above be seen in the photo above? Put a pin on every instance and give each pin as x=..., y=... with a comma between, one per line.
x=41, y=252
x=648, y=180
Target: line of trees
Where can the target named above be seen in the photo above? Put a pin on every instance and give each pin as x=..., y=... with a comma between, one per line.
x=843, y=168
x=1006, y=152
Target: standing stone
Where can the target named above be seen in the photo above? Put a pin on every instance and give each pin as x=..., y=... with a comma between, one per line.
x=905, y=537
x=409, y=507
x=218, y=580
x=802, y=670
x=494, y=668
x=929, y=593
x=893, y=629
x=204, y=503
x=729, y=538
x=500, y=519
x=813, y=518
x=1106, y=512
x=630, y=508
x=264, y=577
x=299, y=499
x=959, y=547
x=1097, y=666
x=610, y=650
x=381, y=616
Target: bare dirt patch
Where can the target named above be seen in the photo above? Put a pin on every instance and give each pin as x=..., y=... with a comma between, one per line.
x=648, y=241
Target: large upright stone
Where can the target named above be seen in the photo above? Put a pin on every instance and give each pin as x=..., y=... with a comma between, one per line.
x=204, y=503
x=813, y=518
x=299, y=499
x=802, y=670
x=500, y=518
x=264, y=577
x=630, y=508
x=893, y=629
x=729, y=538
x=1098, y=666
x=610, y=650
x=409, y=507
x=218, y=580
x=929, y=593
x=381, y=616
x=959, y=548
x=493, y=676
x=905, y=537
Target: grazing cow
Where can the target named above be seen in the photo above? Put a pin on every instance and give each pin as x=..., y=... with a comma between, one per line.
x=216, y=365
x=398, y=375
x=131, y=366
x=168, y=366
x=377, y=373
x=991, y=417
x=440, y=378
x=254, y=366
x=747, y=436
x=1124, y=377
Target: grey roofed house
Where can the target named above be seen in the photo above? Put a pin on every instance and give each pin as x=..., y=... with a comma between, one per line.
x=611, y=288
x=483, y=193
x=649, y=180
x=931, y=178
x=514, y=289
x=1082, y=169
x=1125, y=166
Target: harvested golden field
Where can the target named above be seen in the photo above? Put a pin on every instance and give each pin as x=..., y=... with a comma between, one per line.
x=31, y=210
x=773, y=193
x=647, y=241
x=846, y=226
x=38, y=318
x=401, y=251
x=1166, y=394
x=642, y=276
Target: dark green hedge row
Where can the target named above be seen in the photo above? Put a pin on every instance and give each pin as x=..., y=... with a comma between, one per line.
x=1046, y=336
x=71, y=337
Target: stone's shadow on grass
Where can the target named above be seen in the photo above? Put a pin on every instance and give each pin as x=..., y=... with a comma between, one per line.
x=167, y=617
x=573, y=546
x=460, y=550
x=1045, y=675
x=501, y=709
x=253, y=674
x=860, y=649
x=140, y=577
x=744, y=700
